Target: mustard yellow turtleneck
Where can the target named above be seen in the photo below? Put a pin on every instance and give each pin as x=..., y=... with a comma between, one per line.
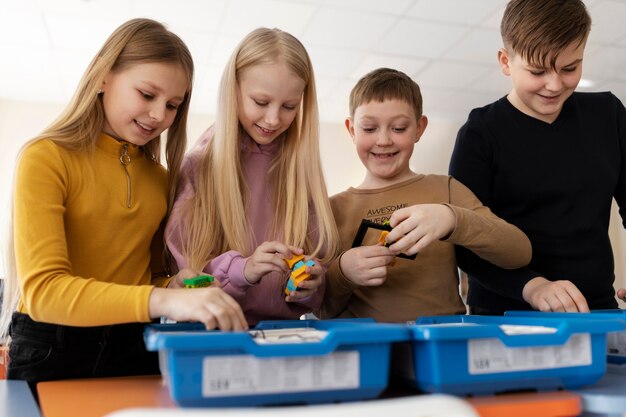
x=83, y=227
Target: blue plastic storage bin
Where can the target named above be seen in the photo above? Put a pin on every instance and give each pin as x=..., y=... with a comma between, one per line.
x=485, y=355
x=615, y=341
x=213, y=368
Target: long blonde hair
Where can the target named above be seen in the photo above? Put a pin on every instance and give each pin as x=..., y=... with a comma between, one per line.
x=79, y=126
x=215, y=219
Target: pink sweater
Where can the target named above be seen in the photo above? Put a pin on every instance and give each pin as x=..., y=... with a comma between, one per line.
x=262, y=301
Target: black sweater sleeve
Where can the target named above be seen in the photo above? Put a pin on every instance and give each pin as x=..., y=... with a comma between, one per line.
x=473, y=164
x=620, y=189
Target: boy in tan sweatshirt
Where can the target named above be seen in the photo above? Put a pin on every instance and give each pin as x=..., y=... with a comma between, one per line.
x=429, y=214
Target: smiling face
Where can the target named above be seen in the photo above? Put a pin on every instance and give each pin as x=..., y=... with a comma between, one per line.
x=540, y=92
x=384, y=134
x=141, y=101
x=269, y=97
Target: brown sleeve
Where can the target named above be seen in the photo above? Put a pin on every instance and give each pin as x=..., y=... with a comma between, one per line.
x=338, y=291
x=484, y=233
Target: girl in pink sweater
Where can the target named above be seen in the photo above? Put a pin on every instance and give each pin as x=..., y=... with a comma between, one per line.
x=252, y=192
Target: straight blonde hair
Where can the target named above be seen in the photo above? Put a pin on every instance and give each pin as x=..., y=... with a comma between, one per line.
x=79, y=126
x=215, y=219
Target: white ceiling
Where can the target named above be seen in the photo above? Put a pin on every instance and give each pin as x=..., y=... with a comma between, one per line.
x=448, y=46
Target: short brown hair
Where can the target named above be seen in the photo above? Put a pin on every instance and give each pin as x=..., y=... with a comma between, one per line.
x=539, y=30
x=386, y=84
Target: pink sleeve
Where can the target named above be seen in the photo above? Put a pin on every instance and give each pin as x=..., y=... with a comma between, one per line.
x=185, y=191
x=265, y=299
x=228, y=269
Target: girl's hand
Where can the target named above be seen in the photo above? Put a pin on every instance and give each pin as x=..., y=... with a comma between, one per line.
x=268, y=257
x=211, y=306
x=416, y=227
x=177, y=280
x=366, y=265
x=309, y=286
x=621, y=294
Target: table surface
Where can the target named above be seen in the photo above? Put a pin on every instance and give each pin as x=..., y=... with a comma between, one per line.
x=17, y=400
x=606, y=397
x=437, y=405
x=100, y=396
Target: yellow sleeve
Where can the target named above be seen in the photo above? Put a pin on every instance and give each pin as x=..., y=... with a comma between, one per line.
x=49, y=291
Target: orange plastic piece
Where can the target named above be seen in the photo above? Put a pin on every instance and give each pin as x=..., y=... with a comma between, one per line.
x=381, y=239
x=296, y=280
x=383, y=236
x=295, y=274
x=298, y=274
x=293, y=260
x=537, y=404
x=4, y=361
x=102, y=396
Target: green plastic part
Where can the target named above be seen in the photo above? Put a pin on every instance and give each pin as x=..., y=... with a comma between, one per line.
x=199, y=281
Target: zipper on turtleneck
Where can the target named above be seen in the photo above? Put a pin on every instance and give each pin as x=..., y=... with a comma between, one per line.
x=125, y=161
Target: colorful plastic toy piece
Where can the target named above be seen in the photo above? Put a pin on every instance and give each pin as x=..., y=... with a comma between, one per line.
x=382, y=237
x=293, y=260
x=199, y=281
x=385, y=227
x=384, y=233
x=298, y=272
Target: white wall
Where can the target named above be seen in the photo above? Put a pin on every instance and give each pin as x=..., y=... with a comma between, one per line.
x=18, y=122
x=342, y=167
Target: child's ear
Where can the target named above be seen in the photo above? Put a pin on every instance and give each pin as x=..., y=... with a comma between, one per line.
x=422, y=122
x=350, y=126
x=106, y=79
x=504, y=61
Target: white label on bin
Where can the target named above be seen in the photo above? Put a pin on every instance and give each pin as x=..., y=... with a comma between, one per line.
x=293, y=335
x=512, y=330
x=491, y=355
x=616, y=343
x=248, y=374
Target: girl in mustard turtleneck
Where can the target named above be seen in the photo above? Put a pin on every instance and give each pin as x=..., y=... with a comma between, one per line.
x=90, y=200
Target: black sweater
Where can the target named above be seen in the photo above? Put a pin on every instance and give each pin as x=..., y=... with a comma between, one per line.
x=554, y=181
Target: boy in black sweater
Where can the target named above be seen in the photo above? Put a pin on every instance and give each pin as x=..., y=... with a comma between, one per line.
x=548, y=160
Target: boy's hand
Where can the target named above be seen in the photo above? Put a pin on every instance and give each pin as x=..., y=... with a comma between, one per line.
x=546, y=295
x=268, y=257
x=309, y=286
x=416, y=227
x=366, y=265
x=211, y=306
